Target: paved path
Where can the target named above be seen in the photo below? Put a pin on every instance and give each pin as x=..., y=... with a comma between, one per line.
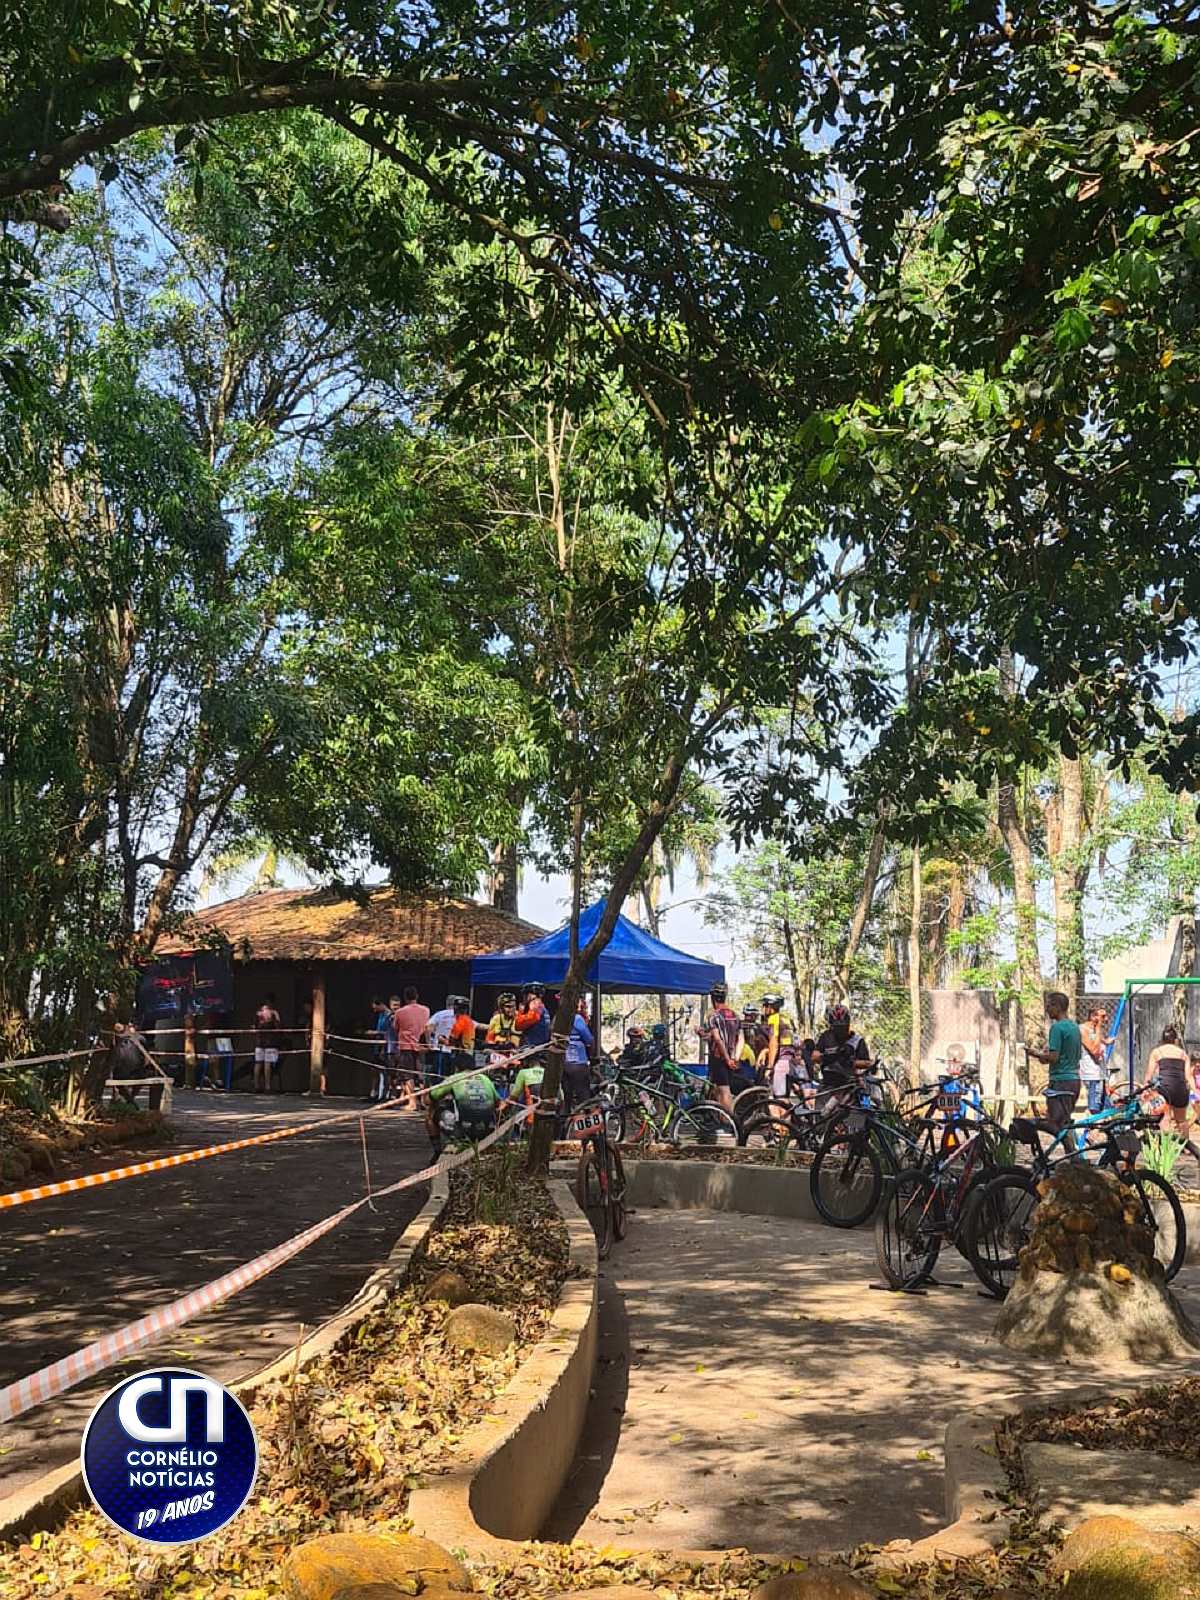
x=80, y=1265
x=753, y=1390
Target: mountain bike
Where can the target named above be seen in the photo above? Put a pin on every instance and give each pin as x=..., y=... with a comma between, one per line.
x=600, y=1176
x=938, y=1201
x=658, y=1105
x=1004, y=1219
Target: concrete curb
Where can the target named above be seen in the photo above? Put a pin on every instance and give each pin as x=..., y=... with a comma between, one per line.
x=977, y=1485
x=509, y=1469
x=759, y=1191
x=43, y=1503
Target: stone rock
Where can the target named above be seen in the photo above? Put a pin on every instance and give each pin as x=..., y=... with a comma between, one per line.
x=1115, y=1558
x=481, y=1328
x=337, y=1563
x=375, y=1591
x=1089, y=1284
x=449, y=1286
x=818, y=1583
x=612, y=1591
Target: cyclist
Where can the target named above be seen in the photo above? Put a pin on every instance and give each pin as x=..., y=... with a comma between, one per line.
x=502, y=1031
x=527, y=1085
x=656, y=1047
x=475, y=1100
x=720, y=1032
x=750, y=1047
x=839, y=1052
x=462, y=1035
x=636, y=1046
x=781, y=1048
x=577, y=1062
x=533, y=1019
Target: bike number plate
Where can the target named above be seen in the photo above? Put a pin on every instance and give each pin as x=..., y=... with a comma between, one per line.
x=585, y=1123
x=949, y=1102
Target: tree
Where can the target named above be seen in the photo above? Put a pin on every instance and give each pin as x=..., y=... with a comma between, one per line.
x=216, y=664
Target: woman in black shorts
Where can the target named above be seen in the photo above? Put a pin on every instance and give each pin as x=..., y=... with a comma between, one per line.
x=1168, y=1063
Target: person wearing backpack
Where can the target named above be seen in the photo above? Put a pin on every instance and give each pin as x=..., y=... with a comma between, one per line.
x=475, y=1101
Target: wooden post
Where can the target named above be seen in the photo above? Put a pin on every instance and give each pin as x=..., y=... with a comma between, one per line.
x=316, y=1048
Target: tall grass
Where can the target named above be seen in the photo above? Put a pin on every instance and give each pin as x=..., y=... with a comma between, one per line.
x=1161, y=1153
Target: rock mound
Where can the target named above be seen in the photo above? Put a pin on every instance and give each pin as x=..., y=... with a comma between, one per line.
x=449, y=1286
x=818, y=1583
x=480, y=1328
x=1114, y=1558
x=1090, y=1284
x=348, y=1563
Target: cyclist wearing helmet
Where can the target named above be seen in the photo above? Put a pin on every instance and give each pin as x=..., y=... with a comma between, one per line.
x=502, y=1033
x=780, y=1045
x=533, y=1020
x=840, y=1052
x=746, y=1064
x=634, y=1053
x=720, y=1032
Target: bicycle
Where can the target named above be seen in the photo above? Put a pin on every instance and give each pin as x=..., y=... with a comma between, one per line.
x=664, y=1109
x=1010, y=1200
x=937, y=1202
x=600, y=1176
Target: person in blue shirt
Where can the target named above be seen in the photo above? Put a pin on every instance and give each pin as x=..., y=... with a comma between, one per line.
x=1064, y=1045
x=577, y=1065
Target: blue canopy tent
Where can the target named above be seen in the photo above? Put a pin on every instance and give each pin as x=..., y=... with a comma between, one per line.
x=633, y=962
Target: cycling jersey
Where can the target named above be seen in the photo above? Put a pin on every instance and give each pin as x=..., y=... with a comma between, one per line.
x=840, y=1056
x=503, y=1031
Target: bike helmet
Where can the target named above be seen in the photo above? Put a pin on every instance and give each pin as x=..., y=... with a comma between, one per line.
x=535, y=988
x=636, y=1031
x=838, y=1017
x=772, y=1002
x=750, y=1013
x=659, y=1031
x=506, y=999
x=719, y=993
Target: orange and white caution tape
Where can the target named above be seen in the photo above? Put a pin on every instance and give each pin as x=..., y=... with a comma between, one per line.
x=44, y=1191
x=38, y=1387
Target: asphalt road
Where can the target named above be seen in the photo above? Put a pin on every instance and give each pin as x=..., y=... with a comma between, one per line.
x=81, y=1265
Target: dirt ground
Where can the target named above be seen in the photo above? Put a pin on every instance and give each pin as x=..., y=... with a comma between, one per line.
x=80, y=1265
x=753, y=1389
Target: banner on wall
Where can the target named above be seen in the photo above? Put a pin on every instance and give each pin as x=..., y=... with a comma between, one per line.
x=198, y=982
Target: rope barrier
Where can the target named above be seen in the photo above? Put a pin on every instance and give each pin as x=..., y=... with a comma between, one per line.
x=38, y=1061
x=20, y=1197
x=93, y=1180
x=38, y=1387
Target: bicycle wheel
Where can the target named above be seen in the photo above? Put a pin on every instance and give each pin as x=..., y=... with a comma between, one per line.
x=616, y=1193
x=706, y=1123
x=592, y=1193
x=1162, y=1213
x=747, y=1107
x=846, y=1178
x=635, y=1125
x=996, y=1227
x=906, y=1246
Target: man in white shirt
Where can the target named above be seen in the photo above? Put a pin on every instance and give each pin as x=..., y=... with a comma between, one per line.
x=438, y=1033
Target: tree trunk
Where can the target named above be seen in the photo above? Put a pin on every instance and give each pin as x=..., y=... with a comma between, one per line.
x=1068, y=890
x=914, y=967
x=504, y=878
x=789, y=945
x=862, y=910
x=582, y=956
x=316, y=1043
x=956, y=911
x=1029, y=1024
x=1181, y=992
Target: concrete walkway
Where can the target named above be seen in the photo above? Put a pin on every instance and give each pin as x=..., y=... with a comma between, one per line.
x=753, y=1390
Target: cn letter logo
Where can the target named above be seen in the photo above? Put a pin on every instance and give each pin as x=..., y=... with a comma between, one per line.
x=176, y=1430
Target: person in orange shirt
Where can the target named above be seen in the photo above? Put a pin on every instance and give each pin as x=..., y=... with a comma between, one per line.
x=462, y=1035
